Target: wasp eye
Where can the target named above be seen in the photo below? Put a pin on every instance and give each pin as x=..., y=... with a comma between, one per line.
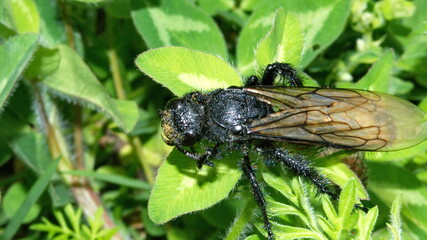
x=174, y=104
x=191, y=138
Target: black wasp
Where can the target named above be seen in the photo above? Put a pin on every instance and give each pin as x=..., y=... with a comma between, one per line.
x=260, y=114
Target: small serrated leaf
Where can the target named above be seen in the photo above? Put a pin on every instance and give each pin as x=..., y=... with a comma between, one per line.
x=347, y=200
x=289, y=232
x=395, y=227
x=329, y=210
x=366, y=223
x=284, y=43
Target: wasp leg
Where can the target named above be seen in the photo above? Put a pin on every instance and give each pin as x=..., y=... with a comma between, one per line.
x=302, y=167
x=201, y=159
x=285, y=71
x=252, y=81
x=256, y=190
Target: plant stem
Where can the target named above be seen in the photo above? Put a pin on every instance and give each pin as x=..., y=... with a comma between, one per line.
x=82, y=191
x=118, y=80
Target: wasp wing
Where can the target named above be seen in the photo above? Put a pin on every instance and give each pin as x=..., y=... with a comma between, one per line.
x=345, y=118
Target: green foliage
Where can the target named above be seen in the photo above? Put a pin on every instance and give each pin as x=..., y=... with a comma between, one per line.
x=70, y=226
x=79, y=122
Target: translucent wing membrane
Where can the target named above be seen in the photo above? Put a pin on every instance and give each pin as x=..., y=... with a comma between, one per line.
x=347, y=118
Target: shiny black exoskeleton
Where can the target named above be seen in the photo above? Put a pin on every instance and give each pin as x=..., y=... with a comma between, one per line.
x=221, y=116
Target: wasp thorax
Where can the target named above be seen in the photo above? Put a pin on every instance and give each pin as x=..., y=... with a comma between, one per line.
x=182, y=122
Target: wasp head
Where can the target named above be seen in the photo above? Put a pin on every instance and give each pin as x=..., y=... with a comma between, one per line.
x=182, y=121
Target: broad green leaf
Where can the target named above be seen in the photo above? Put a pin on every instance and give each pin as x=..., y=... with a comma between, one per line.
x=73, y=80
x=387, y=181
x=397, y=155
x=339, y=173
x=13, y=199
x=32, y=149
x=52, y=31
x=415, y=50
x=283, y=43
x=177, y=23
x=333, y=167
x=118, y=8
x=183, y=70
x=378, y=77
x=15, y=55
x=398, y=86
x=181, y=188
x=151, y=228
x=23, y=15
x=213, y=7
x=33, y=195
x=91, y=1
x=224, y=213
x=5, y=31
x=322, y=22
x=45, y=62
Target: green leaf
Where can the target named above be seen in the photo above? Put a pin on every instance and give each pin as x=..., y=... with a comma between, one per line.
x=378, y=77
x=23, y=15
x=391, y=9
x=337, y=171
x=283, y=43
x=322, y=22
x=15, y=55
x=33, y=195
x=215, y=6
x=396, y=155
x=347, y=200
x=289, y=232
x=253, y=237
x=184, y=70
x=112, y=178
x=13, y=199
x=415, y=48
x=73, y=80
x=118, y=8
x=387, y=181
x=52, y=31
x=181, y=188
x=45, y=62
x=281, y=183
x=177, y=23
x=33, y=150
x=151, y=228
x=366, y=223
x=395, y=227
